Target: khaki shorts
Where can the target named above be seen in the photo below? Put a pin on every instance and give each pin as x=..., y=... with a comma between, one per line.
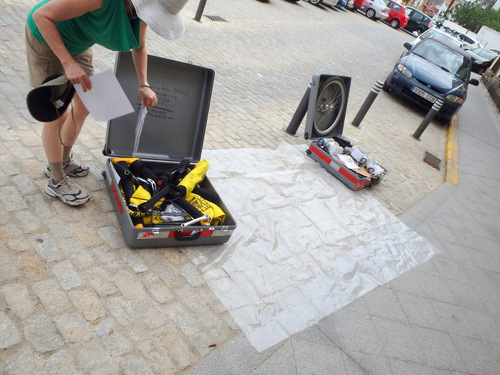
x=42, y=62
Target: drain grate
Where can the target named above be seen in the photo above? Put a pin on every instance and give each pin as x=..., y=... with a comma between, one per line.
x=216, y=18
x=432, y=160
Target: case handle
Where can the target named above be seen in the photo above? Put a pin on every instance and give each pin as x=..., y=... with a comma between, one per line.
x=190, y=237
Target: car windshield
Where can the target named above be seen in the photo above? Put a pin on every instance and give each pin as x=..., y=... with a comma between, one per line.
x=484, y=53
x=393, y=5
x=447, y=59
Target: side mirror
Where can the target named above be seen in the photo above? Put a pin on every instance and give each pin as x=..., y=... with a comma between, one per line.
x=407, y=45
x=473, y=82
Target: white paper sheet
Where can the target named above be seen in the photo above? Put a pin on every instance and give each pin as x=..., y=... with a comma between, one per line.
x=106, y=100
x=305, y=245
x=348, y=161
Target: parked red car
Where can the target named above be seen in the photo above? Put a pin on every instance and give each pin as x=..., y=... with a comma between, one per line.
x=397, y=15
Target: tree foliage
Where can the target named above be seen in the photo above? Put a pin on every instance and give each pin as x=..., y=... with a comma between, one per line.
x=471, y=15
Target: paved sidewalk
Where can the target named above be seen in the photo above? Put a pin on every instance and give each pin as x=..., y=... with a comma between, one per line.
x=443, y=317
x=74, y=299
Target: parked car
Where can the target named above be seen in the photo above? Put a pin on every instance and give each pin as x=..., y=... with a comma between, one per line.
x=418, y=22
x=341, y=4
x=430, y=70
x=482, y=58
x=437, y=33
x=328, y=2
x=374, y=9
x=469, y=41
x=397, y=14
x=481, y=54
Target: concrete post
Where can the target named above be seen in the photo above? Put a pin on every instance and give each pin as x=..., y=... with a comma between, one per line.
x=299, y=114
x=199, y=11
x=428, y=118
x=367, y=104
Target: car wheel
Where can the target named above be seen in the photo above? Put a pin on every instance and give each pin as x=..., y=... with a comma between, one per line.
x=394, y=23
x=444, y=119
x=419, y=31
x=316, y=2
x=386, y=87
x=370, y=13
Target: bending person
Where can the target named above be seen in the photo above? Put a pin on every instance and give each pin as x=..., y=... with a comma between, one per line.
x=59, y=37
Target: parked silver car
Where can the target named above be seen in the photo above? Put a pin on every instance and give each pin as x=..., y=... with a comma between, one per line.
x=437, y=33
x=331, y=3
x=374, y=9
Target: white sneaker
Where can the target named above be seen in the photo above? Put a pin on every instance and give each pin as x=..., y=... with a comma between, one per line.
x=67, y=191
x=71, y=169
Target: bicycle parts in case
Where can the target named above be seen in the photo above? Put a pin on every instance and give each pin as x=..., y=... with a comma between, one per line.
x=172, y=132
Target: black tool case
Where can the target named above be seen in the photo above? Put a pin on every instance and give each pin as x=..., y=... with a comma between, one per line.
x=173, y=131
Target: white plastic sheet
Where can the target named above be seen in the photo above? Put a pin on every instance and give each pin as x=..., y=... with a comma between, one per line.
x=305, y=245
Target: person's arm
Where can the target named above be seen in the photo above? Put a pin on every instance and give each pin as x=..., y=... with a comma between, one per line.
x=54, y=11
x=140, y=58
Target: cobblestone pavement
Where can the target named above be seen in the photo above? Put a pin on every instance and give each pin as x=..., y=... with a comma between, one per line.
x=73, y=297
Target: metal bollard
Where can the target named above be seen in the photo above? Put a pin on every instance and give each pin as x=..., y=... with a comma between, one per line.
x=299, y=114
x=367, y=104
x=428, y=118
x=199, y=11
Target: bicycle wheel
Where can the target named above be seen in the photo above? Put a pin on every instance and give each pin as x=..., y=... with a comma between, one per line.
x=330, y=105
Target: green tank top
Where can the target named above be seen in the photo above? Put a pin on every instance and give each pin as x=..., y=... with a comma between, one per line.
x=108, y=26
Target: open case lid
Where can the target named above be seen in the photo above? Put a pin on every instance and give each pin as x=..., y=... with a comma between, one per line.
x=327, y=106
x=175, y=128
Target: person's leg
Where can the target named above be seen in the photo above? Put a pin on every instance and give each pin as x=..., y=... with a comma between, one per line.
x=74, y=122
x=53, y=148
x=69, y=134
x=59, y=186
x=68, y=129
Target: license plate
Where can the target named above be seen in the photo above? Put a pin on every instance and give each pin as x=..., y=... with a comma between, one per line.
x=424, y=94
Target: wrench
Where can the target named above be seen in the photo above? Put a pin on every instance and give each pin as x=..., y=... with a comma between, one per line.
x=205, y=217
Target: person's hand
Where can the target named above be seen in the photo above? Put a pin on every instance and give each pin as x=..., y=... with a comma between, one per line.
x=76, y=75
x=148, y=96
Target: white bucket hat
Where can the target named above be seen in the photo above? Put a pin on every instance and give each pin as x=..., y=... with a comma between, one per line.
x=162, y=16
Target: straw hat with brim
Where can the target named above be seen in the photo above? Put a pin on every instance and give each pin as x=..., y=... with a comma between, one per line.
x=162, y=16
x=50, y=100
